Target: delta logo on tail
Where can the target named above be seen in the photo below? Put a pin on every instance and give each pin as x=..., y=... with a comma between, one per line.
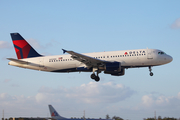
x=22, y=48
x=54, y=114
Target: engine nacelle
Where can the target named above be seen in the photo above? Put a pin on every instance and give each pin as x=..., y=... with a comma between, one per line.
x=113, y=67
x=121, y=73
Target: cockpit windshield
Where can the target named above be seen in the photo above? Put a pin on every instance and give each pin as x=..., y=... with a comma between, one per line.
x=161, y=53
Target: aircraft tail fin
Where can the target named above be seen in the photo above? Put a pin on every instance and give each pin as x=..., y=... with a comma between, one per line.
x=54, y=114
x=22, y=48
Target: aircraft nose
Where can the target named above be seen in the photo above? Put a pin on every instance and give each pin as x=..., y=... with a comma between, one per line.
x=170, y=58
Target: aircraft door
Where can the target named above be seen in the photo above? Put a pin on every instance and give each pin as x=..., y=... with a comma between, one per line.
x=149, y=54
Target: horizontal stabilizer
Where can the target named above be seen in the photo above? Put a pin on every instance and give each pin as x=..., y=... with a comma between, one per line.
x=18, y=61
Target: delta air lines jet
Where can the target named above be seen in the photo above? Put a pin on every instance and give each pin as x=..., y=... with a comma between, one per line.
x=113, y=63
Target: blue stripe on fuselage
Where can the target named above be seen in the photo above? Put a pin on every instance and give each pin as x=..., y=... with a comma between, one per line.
x=79, y=69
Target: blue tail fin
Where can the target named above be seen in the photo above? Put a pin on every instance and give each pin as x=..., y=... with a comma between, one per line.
x=55, y=114
x=22, y=48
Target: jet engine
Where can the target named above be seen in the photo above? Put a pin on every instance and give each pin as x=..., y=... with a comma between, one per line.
x=121, y=73
x=114, y=69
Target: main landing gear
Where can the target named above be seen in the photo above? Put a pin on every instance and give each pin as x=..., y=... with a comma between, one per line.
x=94, y=76
x=151, y=73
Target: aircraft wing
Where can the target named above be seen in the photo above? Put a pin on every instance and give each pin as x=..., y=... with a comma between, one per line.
x=89, y=61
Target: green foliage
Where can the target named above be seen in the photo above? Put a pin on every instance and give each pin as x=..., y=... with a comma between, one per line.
x=159, y=118
x=117, y=118
x=107, y=116
x=150, y=119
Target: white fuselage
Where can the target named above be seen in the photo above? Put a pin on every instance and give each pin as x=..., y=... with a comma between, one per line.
x=127, y=58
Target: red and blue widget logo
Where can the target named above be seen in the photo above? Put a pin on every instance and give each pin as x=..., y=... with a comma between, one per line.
x=22, y=47
x=54, y=114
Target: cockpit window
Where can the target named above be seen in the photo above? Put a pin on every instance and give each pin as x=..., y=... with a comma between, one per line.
x=161, y=53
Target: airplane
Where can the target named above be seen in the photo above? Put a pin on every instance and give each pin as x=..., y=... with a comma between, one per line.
x=113, y=62
x=54, y=114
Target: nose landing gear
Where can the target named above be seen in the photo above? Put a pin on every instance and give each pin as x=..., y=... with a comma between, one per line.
x=151, y=73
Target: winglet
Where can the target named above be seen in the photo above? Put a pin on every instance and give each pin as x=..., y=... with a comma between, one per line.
x=64, y=51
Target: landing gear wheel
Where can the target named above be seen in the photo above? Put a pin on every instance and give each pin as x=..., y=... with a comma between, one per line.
x=93, y=76
x=151, y=74
x=97, y=78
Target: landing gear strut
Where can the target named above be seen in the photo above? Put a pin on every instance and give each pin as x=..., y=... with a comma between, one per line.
x=151, y=73
x=94, y=76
